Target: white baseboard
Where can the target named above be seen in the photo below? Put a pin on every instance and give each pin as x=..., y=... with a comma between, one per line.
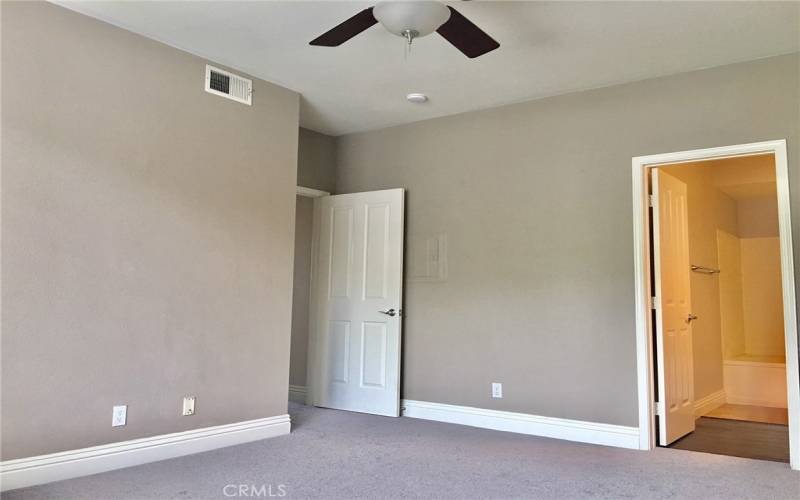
x=709, y=403
x=42, y=469
x=558, y=428
x=297, y=393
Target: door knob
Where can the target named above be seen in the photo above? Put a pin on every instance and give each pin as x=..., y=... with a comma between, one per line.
x=389, y=312
x=691, y=317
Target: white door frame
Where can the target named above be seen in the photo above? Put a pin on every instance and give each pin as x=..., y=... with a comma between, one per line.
x=311, y=350
x=641, y=238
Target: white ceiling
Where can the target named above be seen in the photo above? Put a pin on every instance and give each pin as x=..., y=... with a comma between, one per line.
x=547, y=48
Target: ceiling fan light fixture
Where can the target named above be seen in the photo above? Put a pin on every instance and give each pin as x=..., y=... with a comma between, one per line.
x=411, y=19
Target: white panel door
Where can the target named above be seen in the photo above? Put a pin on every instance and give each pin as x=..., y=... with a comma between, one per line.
x=673, y=308
x=357, y=301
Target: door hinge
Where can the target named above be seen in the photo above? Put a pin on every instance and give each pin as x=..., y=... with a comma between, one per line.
x=659, y=408
x=650, y=200
x=653, y=302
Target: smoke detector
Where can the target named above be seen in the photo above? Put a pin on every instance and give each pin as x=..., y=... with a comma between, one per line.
x=417, y=98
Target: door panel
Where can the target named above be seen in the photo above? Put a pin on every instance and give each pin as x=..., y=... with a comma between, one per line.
x=376, y=255
x=339, y=351
x=341, y=251
x=673, y=307
x=360, y=261
x=373, y=355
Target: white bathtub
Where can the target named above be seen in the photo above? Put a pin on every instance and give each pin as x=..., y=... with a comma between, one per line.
x=755, y=380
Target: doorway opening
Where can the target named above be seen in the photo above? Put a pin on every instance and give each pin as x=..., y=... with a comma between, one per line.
x=716, y=321
x=303, y=257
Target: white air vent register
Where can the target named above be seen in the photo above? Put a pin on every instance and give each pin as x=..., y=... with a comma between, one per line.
x=226, y=84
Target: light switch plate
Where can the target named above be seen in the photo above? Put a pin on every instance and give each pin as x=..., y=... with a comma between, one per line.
x=119, y=415
x=188, y=405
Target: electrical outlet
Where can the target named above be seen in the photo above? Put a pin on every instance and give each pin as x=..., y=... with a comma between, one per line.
x=188, y=405
x=119, y=415
x=497, y=390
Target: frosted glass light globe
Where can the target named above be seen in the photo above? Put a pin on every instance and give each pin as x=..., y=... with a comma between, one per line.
x=420, y=17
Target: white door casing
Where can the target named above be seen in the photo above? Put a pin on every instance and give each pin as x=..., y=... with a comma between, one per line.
x=673, y=307
x=642, y=166
x=357, y=301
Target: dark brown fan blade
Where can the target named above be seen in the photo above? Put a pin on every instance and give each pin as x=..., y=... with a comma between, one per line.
x=465, y=36
x=346, y=30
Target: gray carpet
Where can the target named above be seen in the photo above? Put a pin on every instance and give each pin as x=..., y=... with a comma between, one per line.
x=334, y=454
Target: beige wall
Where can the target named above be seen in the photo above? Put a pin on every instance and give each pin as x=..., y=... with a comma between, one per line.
x=147, y=237
x=302, y=276
x=316, y=161
x=535, y=199
x=710, y=210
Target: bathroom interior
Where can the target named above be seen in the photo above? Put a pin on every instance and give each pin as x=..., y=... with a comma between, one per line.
x=738, y=337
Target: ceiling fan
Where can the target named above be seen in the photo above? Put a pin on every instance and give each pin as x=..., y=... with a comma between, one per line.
x=414, y=19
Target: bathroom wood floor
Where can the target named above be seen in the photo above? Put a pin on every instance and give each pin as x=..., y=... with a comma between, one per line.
x=738, y=438
x=749, y=413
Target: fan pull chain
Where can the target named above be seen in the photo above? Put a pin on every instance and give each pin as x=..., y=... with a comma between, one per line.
x=409, y=35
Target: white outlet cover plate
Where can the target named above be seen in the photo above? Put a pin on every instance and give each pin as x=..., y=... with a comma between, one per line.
x=497, y=390
x=119, y=415
x=188, y=405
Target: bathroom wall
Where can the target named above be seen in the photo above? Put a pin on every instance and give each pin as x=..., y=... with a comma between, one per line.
x=758, y=217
